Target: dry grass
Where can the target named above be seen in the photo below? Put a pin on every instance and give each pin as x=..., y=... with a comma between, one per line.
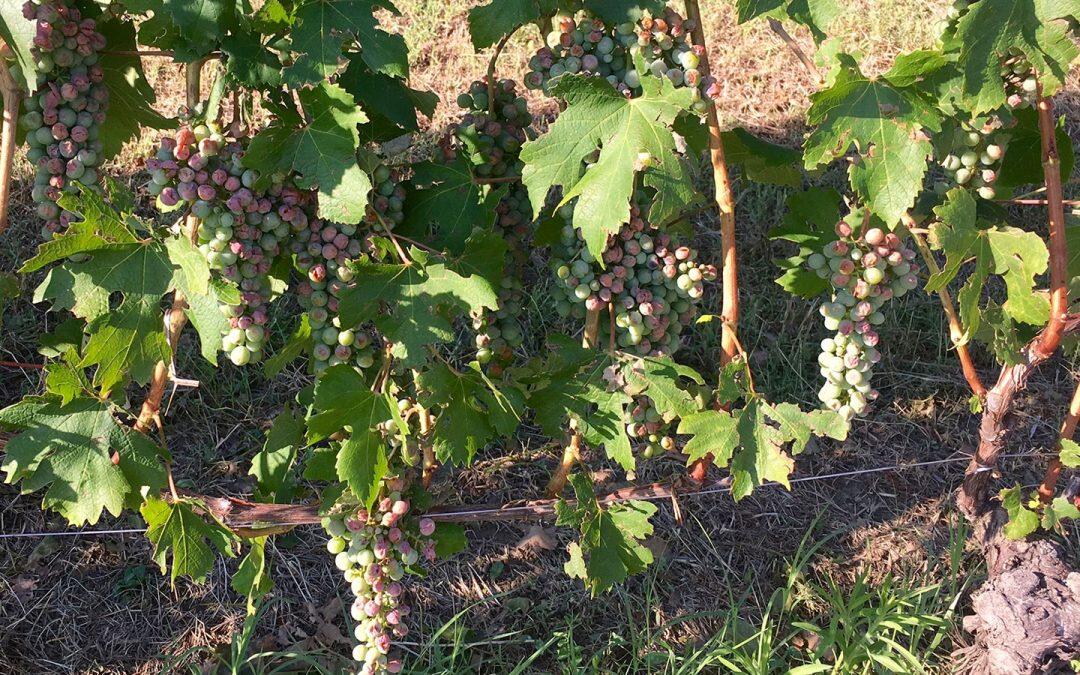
x=96, y=605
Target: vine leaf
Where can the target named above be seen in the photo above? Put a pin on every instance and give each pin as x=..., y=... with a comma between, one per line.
x=1016, y=255
x=762, y=161
x=1022, y=163
x=489, y=23
x=131, y=98
x=446, y=196
x=174, y=528
x=621, y=11
x=68, y=447
x=1058, y=510
x=272, y=466
x=659, y=378
x=1070, y=453
x=990, y=28
x=1022, y=520
x=250, y=62
x=415, y=293
x=610, y=548
x=18, y=32
x=631, y=133
x=362, y=463
x=322, y=151
x=883, y=122
x=126, y=341
x=390, y=103
x=471, y=411
x=299, y=343
x=753, y=438
x=809, y=223
x=252, y=576
x=321, y=29
x=816, y=15
x=344, y=400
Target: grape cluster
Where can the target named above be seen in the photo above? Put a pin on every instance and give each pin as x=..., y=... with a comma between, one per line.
x=63, y=119
x=241, y=228
x=973, y=156
x=1021, y=85
x=652, y=282
x=864, y=271
x=649, y=428
x=490, y=135
x=375, y=551
x=323, y=253
x=585, y=44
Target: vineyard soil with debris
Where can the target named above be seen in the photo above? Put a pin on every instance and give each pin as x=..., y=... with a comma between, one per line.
x=508, y=316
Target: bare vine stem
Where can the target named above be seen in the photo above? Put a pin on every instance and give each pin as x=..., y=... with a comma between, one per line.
x=956, y=330
x=793, y=45
x=725, y=202
x=9, y=90
x=1068, y=429
x=993, y=428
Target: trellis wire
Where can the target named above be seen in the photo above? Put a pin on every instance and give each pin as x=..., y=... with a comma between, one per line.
x=528, y=509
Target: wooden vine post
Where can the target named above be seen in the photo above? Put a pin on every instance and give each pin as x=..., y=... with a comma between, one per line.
x=725, y=202
x=973, y=498
x=175, y=318
x=571, y=453
x=9, y=90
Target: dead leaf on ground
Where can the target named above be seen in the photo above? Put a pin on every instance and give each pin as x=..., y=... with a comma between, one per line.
x=538, y=536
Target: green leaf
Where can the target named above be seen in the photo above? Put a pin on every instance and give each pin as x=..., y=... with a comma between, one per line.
x=446, y=196
x=880, y=120
x=621, y=11
x=131, y=98
x=250, y=61
x=489, y=23
x=816, y=15
x=989, y=29
x=630, y=132
x=363, y=464
x=1022, y=520
x=175, y=529
x=414, y=294
x=252, y=576
x=344, y=399
x=204, y=313
x=391, y=105
x=18, y=33
x=1058, y=510
x=68, y=447
x=1069, y=453
x=322, y=151
x=809, y=222
x=762, y=161
x=1017, y=256
x=65, y=381
x=320, y=32
x=300, y=342
x=449, y=539
x=610, y=548
x=715, y=433
x=272, y=466
x=660, y=378
x=1022, y=163
x=471, y=412
x=125, y=342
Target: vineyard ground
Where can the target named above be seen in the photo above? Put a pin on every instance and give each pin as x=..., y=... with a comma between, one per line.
x=94, y=604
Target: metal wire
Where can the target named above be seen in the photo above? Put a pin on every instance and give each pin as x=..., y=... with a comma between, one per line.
x=527, y=509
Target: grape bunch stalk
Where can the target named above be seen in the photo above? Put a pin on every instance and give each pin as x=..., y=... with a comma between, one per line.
x=375, y=550
x=241, y=227
x=324, y=251
x=490, y=135
x=865, y=271
x=973, y=156
x=585, y=44
x=63, y=119
x=652, y=282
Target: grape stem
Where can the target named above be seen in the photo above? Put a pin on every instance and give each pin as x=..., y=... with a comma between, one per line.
x=154, y=52
x=9, y=89
x=1068, y=429
x=956, y=330
x=725, y=201
x=973, y=498
x=491, y=68
x=496, y=181
x=779, y=29
x=1039, y=202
